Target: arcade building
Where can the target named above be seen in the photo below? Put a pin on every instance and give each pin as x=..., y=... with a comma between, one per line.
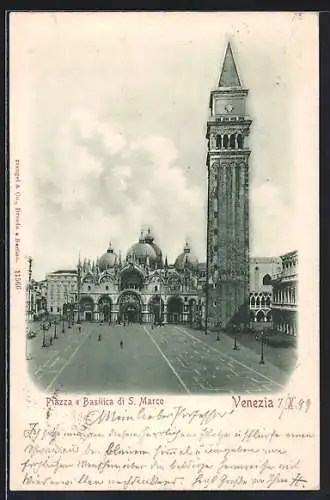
x=142, y=288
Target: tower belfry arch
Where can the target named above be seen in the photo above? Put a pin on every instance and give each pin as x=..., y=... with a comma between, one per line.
x=228, y=199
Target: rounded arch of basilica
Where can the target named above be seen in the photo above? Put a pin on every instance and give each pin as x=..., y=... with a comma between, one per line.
x=130, y=306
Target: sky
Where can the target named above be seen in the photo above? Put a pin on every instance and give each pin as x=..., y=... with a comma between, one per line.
x=112, y=114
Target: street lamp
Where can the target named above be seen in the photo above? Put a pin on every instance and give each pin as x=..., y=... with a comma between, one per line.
x=262, y=362
x=44, y=336
x=160, y=302
x=235, y=348
x=55, y=323
x=27, y=355
x=68, y=311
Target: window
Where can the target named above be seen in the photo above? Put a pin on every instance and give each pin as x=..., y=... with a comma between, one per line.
x=51, y=309
x=58, y=309
x=156, y=288
x=218, y=142
x=88, y=288
x=107, y=288
x=240, y=141
x=225, y=141
x=267, y=280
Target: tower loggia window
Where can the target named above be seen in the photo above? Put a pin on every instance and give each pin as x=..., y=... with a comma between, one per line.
x=240, y=141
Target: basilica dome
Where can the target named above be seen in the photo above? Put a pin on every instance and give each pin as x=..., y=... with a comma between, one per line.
x=142, y=252
x=108, y=259
x=186, y=260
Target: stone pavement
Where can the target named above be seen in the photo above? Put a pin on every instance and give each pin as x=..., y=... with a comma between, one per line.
x=169, y=359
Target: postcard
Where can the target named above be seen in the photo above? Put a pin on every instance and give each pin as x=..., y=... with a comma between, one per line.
x=164, y=329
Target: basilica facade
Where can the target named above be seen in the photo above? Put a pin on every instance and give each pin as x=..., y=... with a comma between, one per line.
x=143, y=287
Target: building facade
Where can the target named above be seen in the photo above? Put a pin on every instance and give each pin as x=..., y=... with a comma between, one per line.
x=228, y=200
x=142, y=288
x=262, y=270
x=61, y=290
x=38, y=298
x=285, y=303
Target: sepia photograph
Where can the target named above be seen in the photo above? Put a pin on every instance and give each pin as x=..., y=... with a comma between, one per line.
x=162, y=255
x=164, y=205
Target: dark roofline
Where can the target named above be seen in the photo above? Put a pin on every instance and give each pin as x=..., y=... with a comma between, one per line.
x=62, y=271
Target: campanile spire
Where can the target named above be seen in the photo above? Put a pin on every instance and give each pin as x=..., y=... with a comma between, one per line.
x=229, y=74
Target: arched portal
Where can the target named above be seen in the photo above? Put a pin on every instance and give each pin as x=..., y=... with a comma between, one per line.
x=156, y=309
x=174, y=310
x=130, y=307
x=131, y=279
x=105, y=308
x=260, y=316
x=87, y=308
x=269, y=316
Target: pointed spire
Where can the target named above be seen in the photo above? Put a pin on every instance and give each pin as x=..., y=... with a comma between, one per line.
x=186, y=248
x=229, y=75
x=166, y=263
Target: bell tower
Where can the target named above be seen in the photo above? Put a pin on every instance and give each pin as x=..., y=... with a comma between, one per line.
x=228, y=200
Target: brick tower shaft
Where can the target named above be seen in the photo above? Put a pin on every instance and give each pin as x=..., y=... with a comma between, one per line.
x=228, y=200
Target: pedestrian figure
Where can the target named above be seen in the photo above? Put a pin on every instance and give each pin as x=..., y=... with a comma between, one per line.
x=99, y=337
x=79, y=329
x=121, y=344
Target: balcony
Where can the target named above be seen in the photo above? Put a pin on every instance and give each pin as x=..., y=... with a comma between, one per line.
x=285, y=306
